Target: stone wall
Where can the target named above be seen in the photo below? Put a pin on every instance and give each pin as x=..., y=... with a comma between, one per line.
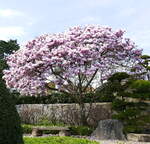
x=63, y=113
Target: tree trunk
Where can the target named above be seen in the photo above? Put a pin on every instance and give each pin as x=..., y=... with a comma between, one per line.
x=83, y=114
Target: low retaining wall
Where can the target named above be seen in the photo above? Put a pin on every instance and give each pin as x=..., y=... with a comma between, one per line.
x=63, y=113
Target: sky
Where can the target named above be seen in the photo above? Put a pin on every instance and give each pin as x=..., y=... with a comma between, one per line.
x=26, y=19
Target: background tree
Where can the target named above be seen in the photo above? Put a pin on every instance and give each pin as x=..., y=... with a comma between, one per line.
x=129, y=102
x=146, y=64
x=10, y=127
x=76, y=61
x=8, y=47
x=109, y=89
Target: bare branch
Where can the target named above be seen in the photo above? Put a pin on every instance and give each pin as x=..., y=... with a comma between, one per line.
x=80, y=84
x=56, y=74
x=90, y=80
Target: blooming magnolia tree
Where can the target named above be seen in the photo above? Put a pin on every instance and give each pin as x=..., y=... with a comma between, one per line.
x=72, y=60
x=76, y=61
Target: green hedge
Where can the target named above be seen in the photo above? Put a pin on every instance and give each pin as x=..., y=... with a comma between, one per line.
x=60, y=98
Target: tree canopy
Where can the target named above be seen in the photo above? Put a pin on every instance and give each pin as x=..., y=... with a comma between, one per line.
x=74, y=61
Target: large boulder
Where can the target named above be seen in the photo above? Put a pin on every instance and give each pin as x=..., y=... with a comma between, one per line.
x=109, y=129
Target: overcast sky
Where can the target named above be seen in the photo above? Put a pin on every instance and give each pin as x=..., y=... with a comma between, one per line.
x=25, y=19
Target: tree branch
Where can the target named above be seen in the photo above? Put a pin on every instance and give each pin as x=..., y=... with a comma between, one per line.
x=80, y=84
x=56, y=74
x=90, y=80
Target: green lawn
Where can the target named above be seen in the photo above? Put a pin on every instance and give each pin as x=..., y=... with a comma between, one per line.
x=57, y=140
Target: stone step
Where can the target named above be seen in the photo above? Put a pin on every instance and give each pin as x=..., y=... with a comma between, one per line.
x=138, y=137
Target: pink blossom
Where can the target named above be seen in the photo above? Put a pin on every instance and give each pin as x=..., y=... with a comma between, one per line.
x=79, y=52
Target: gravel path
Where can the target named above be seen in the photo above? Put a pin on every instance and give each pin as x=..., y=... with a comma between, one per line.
x=100, y=141
x=121, y=142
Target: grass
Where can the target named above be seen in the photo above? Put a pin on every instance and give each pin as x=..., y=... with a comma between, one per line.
x=57, y=140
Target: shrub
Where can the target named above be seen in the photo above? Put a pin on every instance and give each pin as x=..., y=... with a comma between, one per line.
x=141, y=86
x=10, y=129
x=132, y=113
x=50, y=99
x=118, y=76
x=61, y=98
x=81, y=130
x=27, y=129
x=44, y=121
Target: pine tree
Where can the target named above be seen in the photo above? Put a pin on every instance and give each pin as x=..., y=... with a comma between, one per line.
x=10, y=128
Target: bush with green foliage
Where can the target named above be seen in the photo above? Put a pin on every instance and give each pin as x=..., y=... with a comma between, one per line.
x=58, y=140
x=132, y=113
x=27, y=129
x=81, y=130
x=61, y=98
x=50, y=99
x=108, y=89
x=10, y=130
x=141, y=89
x=10, y=127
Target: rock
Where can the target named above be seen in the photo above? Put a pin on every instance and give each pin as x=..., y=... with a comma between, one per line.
x=109, y=129
x=138, y=137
